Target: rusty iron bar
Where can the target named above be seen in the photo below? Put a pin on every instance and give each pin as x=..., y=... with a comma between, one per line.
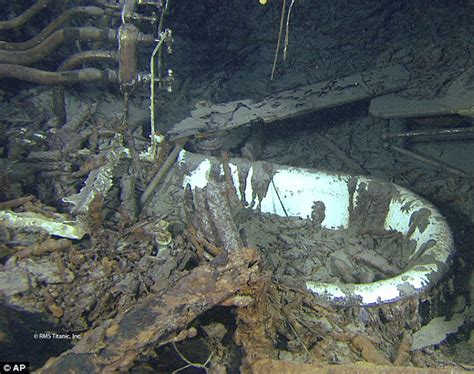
x=430, y=161
x=161, y=173
x=437, y=133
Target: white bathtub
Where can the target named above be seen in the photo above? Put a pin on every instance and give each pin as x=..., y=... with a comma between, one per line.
x=295, y=189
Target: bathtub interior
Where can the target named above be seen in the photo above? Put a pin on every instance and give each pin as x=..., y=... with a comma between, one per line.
x=349, y=201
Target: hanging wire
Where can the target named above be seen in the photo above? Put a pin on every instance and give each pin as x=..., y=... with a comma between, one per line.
x=280, y=32
x=287, y=31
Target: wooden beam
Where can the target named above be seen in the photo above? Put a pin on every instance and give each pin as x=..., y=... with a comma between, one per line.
x=293, y=103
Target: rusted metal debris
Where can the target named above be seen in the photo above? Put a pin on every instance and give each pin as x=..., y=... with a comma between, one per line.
x=209, y=211
x=273, y=366
x=160, y=317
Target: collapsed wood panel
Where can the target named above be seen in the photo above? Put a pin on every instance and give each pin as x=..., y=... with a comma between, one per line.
x=292, y=103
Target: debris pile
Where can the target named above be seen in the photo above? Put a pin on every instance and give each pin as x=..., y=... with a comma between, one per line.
x=219, y=288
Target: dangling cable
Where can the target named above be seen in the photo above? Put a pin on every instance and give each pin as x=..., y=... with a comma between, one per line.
x=287, y=31
x=282, y=20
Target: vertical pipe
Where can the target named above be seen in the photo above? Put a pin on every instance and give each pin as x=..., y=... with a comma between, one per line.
x=127, y=11
x=128, y=64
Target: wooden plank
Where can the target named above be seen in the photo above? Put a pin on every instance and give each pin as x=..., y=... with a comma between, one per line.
x=459, y=99
x=292, y=103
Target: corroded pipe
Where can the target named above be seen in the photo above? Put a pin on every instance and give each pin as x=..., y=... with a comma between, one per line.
x=59, y=102
x=25, y=16
x=88, y=56
x=439, y=134
x=91, y=11
x=430, y=161
x=37, y=76
x=69, y=34
x=127, y=10
x=128, y=56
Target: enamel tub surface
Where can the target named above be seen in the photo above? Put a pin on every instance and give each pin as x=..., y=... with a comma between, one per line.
x=349, y=201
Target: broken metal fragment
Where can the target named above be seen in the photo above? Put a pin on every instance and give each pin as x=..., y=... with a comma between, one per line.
x=159, y=318
x=100, y=179
x=34, y=221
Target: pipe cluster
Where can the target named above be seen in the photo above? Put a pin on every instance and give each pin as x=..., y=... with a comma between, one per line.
x=116, y=47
